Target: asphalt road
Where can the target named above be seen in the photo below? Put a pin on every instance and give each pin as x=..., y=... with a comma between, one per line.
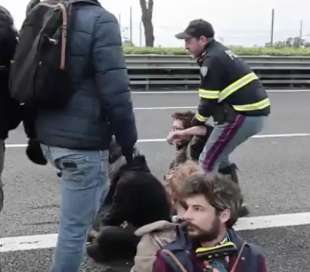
x=274, y=174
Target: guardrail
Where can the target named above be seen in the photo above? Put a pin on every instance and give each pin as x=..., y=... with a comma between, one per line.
x=165, y=71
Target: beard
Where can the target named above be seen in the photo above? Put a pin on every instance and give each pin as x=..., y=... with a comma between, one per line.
x=200, y=235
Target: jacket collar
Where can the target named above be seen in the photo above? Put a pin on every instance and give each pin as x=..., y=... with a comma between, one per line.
x=204, y=53
x=182, y=242
x=235, y=238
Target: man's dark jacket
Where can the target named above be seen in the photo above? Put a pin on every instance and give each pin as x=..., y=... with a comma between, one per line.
x=251, y=259
x=9, y=108
x=101, y=103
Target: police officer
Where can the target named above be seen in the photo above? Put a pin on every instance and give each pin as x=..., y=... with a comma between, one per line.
x=230, y=92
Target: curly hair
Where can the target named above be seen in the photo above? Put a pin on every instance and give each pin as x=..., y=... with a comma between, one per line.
x=176, y=178
x=220, y=191
x=186, y=117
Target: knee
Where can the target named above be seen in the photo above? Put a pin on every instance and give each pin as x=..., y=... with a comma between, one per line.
x=113, y=243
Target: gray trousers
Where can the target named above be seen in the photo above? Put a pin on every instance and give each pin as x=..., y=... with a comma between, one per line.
x=1, y=169
x=225, y=138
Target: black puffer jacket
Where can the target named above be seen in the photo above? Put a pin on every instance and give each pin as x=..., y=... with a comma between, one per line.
x=101, y=104
x=135, y=196
x=9, y=108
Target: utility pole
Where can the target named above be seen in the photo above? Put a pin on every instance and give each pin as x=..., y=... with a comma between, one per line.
x=300, y=29
x=140, y=33
x=272, y=28
x=130, y=28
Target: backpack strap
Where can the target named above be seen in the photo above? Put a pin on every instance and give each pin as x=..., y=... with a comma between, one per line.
x=174, y=258
x=64, y=29
x=235, y=265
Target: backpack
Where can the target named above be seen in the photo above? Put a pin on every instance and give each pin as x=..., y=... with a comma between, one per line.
x=39, y=72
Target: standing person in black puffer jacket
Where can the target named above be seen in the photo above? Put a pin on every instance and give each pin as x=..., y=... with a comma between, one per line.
x=75, y=139
x=9, y=108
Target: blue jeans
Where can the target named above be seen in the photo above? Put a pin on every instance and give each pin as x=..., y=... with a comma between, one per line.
x=84, y=182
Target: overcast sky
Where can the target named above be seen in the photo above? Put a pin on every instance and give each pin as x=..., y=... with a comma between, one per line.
x=236, y=22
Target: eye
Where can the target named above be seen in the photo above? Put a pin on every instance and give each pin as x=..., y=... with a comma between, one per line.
x=198, y=208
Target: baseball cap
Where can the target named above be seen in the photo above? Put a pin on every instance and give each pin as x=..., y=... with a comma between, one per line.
x=197, y=28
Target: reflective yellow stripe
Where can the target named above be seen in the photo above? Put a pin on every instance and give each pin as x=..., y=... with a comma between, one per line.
x=209, y=94
x=254, y=106
x=226, y=244
x=237, y=85
x=200, y=117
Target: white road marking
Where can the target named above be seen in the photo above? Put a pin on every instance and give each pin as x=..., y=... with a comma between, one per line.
x=263, y=136
x=160, y=140
x=31, y=242
x=193, y=91
x=44, y=241
x=273, y=221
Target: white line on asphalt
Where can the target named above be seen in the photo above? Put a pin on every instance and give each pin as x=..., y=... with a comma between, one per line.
x=192, y=92
x=263, y=136
x=35, y=242
x=160, y=140
x=31, y=242
x=273, y=221
x=290, y=135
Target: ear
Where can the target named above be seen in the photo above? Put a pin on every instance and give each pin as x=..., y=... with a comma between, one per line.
x=225, y=215
x=203, y=39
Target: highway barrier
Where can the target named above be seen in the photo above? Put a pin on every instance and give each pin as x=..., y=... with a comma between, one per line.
x=166, y=71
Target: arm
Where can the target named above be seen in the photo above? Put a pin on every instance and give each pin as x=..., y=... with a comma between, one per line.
x=120, y=206
x=192, y=131
x=209, y=90
x=112, y=81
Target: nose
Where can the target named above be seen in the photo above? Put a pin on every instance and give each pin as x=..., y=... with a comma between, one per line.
x=186, y=45
x=186, y=215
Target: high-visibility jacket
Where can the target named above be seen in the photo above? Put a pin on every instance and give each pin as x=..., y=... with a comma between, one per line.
x=226, y=79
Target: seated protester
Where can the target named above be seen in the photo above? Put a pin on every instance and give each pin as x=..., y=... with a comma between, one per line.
x=174, y=182
x=189, y=141
x=116, y=161
x=156, y=235
x=137, y=198
x=208, y=241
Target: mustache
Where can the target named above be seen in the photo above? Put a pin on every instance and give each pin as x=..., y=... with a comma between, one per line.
x=191, y=225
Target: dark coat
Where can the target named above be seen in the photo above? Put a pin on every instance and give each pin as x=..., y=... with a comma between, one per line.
x=101, y=104
x=251, y=259
x=10, y=114
x=136, y=196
